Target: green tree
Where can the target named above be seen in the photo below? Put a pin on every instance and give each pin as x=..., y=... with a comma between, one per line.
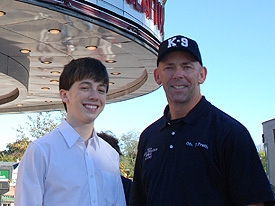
x=128, y=144
x=41, y=124
x=14, y=151
x=262, y=154
x=37, y=126
x=263, y=158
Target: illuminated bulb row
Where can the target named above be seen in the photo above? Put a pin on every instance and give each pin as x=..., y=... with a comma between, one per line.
x=57, y=31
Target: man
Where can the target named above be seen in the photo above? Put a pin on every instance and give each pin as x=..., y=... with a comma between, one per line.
x=71, y=165
x=195, y=154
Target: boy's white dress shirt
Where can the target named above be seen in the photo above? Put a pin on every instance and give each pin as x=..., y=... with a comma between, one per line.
x=59, y=169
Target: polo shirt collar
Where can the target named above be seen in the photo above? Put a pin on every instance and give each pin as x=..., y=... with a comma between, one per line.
x=191, y=118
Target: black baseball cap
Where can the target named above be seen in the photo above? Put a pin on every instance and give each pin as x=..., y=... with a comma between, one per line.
x=179, y=43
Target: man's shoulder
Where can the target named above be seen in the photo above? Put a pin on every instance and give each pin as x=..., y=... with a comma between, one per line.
x=155, y=125
x=225, y=125
x=224, y=117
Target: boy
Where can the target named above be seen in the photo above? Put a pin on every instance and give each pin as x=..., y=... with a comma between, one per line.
x=71, y=165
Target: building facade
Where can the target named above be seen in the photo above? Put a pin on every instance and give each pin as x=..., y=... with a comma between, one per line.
x=269, y=145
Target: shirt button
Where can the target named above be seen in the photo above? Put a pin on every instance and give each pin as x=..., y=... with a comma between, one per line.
x=171, y=146
x=173, y=133
x=91, y=176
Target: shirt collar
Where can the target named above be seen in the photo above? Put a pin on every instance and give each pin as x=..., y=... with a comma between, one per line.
x=191, y=118
x=68, y=132
x=71, y=136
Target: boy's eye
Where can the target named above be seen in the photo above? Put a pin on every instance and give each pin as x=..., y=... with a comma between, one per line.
x=102, y=90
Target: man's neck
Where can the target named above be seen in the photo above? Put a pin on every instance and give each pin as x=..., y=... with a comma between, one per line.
x=181, y=110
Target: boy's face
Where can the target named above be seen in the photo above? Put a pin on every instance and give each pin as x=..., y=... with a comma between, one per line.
x=85, y=100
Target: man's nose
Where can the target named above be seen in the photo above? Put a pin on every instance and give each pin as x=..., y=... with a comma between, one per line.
x=179, y=73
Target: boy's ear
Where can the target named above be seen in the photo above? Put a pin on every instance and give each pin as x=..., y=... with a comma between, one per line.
x=63, y=95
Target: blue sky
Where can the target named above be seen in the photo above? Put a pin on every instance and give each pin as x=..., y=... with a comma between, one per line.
x=236, y=39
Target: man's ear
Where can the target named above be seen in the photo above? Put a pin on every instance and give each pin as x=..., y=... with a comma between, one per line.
x=203, y=73
x=156, y=76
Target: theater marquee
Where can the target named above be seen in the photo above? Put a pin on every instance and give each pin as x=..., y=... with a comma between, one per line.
x=38, y=37
x=144, y=18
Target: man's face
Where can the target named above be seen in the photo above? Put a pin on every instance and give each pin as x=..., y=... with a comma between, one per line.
x=180, y=75
x=85, y=100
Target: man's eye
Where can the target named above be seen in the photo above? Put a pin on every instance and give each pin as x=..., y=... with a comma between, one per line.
x=168, y=68
x=187, y=67
x=84, y=88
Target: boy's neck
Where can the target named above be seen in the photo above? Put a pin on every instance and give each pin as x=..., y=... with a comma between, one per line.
x=84, y=130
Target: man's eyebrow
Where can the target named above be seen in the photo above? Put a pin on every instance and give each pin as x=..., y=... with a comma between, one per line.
x=189, y=63
x=183, y=63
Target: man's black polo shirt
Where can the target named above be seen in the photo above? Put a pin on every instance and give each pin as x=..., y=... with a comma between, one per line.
x=205, y=158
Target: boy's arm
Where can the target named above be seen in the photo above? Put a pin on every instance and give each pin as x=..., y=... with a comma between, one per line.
x=121, y=195
x=30, y=184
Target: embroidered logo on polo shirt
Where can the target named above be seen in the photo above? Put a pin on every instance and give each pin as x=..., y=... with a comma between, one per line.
x=196, y=144
x=149, y=153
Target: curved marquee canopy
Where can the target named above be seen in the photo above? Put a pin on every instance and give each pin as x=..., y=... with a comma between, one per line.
x=38, y=37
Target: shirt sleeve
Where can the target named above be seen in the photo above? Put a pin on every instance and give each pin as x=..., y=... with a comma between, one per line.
x=121, y=201
x=30, y=178
x=112, y=165
x=248, y=182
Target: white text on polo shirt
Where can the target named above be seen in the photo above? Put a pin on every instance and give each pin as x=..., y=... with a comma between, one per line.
x=197, y=144
x=149, y=153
